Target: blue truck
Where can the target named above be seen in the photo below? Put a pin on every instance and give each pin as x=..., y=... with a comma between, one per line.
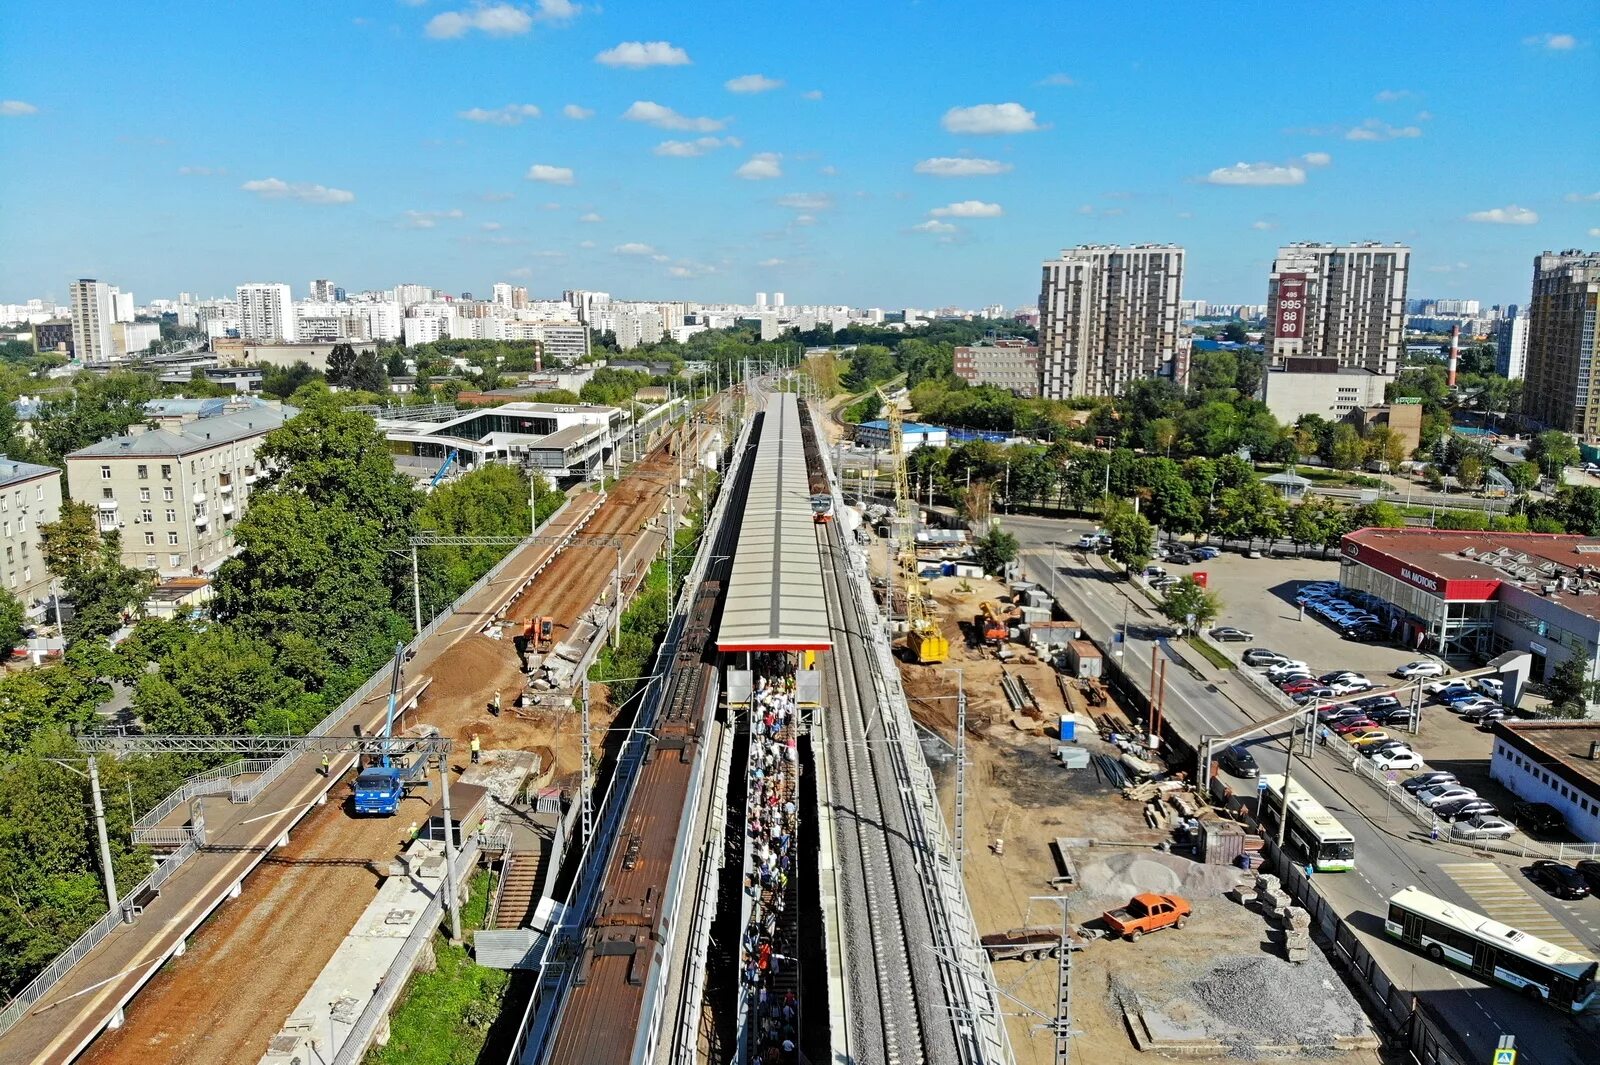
x=380, y=788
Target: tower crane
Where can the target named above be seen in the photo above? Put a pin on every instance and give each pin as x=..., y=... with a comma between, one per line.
x=924, y=642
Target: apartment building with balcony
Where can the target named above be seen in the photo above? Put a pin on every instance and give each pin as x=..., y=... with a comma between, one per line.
x=175, y=493
x=30, y=496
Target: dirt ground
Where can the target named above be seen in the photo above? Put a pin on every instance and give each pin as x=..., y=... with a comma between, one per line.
x=266, y=947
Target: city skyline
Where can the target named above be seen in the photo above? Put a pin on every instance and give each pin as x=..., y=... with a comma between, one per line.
x=558, y=145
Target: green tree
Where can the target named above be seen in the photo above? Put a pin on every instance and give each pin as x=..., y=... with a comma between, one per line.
x=221, y=681
x=1252, y=511
x=995, y=549
x=1212, y=371
x=71, y=543
x=367, y=375
x=1164, y=433
x=93, y=577
x=1344, y=447
x=1523, y=476
x=1570, y=688
x=1553, y=451
x=341, y=361
x=1377, y=515
x=95, y=408
x=869, y=365
x=12, y=618
x=1132, y=537
x=1469, y=471
x=1187, y=599
x=1234, y=332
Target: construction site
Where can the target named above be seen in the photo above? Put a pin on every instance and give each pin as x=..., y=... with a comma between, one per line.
x=466, y=683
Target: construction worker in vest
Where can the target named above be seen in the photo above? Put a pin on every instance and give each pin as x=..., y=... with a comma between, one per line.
x=494, y=704
x=326, y=763
x=477, y=749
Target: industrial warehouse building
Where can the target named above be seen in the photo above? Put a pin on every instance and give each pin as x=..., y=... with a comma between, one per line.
x=1475, y=595
x=1555, y=762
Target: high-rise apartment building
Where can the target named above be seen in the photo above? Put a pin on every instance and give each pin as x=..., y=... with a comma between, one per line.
x=1563, y=389
x=1108, y=316
x=122, y=308
x=266, y=312
x=1511, y=341
x=92, y=318
x=1340, y=301
x=324, y=291
x=501, y=294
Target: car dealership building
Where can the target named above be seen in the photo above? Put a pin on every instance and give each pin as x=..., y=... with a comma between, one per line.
x=1476, y=595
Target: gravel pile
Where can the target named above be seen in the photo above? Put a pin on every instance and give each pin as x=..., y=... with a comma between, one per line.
x=1279, y=1002
x=1123, y=875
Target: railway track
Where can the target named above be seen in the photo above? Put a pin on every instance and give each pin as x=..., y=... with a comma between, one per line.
x=889, y=941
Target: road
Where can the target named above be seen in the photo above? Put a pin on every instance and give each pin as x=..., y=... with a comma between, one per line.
x=1391, y=851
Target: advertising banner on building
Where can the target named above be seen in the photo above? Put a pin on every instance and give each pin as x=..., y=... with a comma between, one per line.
x=1291, y=307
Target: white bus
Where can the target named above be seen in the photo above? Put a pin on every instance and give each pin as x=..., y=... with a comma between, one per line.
x=1319, y=835
x=1490, y=950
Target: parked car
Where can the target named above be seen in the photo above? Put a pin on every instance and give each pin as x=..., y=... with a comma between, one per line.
x=1365, y=633
x=1590, y=871
x=1538, y=817
x=1306, y=695
x=1229, y=634
x=1562, y=881
x=1428, y=780
x=1287, y=665
x=1147, y=913
x=1470, y=704
x=1205, y=554
x=1370, y=738
x=1460, y=809
x=1239, y=761
x=1261, y=657
x=1379, y=702
x=1483, y=826
x=1095, y=541
x=1484, y=715
x=1391, y=715
x=1152, y=572
x=1493, y=687
x=1404, y=758
x=1431, y=797
x=1333, y=714
x=1352, y=726
x=1441, y=689
x=1420, y=668
x=1351, y=685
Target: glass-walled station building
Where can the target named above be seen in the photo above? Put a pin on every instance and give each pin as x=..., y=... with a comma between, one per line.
x=1475, y=595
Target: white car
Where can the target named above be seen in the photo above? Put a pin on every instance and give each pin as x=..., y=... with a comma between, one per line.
x=1492, y=687
x=1350, y=685
x=1431, y=797
x=1401, y=759
x=1420, y=669
x=1290, y=666
x=1477, y=702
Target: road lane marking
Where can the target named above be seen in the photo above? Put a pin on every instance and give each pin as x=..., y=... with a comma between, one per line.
x=1508, y=902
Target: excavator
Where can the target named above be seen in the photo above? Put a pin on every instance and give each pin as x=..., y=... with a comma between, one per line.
x=925, y=643
x=988, y=624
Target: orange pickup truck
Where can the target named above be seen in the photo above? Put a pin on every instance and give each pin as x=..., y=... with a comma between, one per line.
x=1147, y=913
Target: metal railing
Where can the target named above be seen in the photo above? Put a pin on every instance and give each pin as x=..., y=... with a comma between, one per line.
x=92, y=937
x=213, y=781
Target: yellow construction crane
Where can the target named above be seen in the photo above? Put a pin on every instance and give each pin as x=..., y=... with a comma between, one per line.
x=924, y=642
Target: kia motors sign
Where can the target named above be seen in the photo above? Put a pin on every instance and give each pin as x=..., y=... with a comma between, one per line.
x=1291, y=321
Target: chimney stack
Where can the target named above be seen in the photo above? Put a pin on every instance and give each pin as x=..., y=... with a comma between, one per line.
x=1455, y=352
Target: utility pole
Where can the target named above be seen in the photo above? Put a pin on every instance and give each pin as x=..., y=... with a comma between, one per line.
x=961, y=776
x=100, y=831
x=1063, y=1025
x=451, y=898
x=585, y=784
x=1288, y=767
x=416, y=591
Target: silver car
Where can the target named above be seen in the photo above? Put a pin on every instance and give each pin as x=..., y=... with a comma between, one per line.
x=1483, y=826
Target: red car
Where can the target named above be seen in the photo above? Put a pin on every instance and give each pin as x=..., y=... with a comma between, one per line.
x=1293, y=687
x=1354, y=724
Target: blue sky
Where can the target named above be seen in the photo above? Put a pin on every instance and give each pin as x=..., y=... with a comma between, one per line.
x=168, y=146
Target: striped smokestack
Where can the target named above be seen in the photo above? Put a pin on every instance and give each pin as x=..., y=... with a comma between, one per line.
x=1455, y=352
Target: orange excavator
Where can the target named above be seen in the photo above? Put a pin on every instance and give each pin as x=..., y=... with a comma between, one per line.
x=541, y=632
x=989, y=625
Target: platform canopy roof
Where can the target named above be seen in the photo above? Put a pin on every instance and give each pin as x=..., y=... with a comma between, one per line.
x=774, y=597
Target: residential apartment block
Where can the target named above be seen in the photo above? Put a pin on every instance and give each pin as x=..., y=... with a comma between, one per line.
x=1511, y=344
x=266, y=312
x=93, y=315
x=1004, y=363
x=175, y=493
x=1339, y=301
x=30, y=496
x=1108, y=316
x=1562, y=388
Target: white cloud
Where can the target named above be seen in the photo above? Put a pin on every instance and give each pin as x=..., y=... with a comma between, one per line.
x=490, y=227
x=1447, y=268
x=17, y=108
x=573, y=111
x=203, y=171
x=585, y=243
x=549, y=207
x=770, y=262
x=496, y=197
x=636, y=55
x=1257, y=174
x=590, y=217
x=968, y=209
x=550, y=175
x=806, y=201
x=1389, y=96
x=509, y=115
x=1510, y=215
x=1316, y=159
x=1424, y=116
x=828, y=171
x=804, y=220
x=762, y=166
x=933, y=225
x=666, y=118
x=1595, y=231
x=428, y=219
x=1555, y=42
x=811, y=94
x=306, y=192
x=495, y=20
x=698, y=146
x=634, y=248
x=1056, y=80
x=1375, y=129
x=1583, y=197
x=947, y=166
x=690, y=268
x=990, y=118
x=1263, y=225
x=747, y=83
x=557, y=10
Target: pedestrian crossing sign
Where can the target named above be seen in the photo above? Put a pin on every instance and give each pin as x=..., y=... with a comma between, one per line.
x=1505, y=1056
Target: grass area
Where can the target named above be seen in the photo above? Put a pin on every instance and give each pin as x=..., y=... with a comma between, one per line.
x=1209, y=653
x=444, y=1016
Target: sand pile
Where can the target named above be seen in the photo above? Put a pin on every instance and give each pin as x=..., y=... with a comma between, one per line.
x=1125, y=874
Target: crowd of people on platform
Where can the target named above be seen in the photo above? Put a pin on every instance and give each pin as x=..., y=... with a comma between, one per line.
x=767, y=949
